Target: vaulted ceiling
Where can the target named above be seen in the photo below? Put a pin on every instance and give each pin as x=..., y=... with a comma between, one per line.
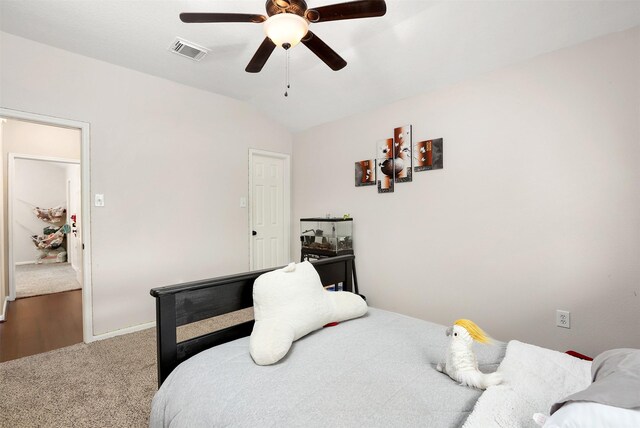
x=418, y=46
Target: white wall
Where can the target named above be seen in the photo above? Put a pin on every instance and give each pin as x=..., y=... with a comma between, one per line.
x=537, y=209
x=36, y=183
x=4, y=291
x=171, y=161
x=74, y=241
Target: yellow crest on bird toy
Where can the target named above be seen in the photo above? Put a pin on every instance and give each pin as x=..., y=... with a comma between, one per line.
x=475, y=332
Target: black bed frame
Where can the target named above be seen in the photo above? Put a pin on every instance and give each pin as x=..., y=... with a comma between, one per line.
x=182, y=304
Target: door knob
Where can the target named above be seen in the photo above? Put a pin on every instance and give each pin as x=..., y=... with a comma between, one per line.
x=254, y=233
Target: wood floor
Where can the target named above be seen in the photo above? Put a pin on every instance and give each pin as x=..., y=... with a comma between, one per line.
x=40, y=324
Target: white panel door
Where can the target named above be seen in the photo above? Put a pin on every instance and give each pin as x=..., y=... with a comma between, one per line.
x=268, y=212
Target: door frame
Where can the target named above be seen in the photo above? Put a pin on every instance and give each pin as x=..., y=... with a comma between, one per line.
x=11, y=203
x=85, y=192
x=286, y=198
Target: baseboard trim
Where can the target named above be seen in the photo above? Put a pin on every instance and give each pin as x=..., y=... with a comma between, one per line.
x=24, y=263
x=122, y=331
x=4, y=309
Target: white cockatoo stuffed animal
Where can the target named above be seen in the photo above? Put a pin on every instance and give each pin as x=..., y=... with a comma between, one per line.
x=461, y=364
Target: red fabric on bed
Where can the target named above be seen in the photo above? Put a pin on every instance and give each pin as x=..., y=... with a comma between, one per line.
x=579, y=355
x=331, y=324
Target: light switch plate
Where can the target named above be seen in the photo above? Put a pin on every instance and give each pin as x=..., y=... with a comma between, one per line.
x=99, y=202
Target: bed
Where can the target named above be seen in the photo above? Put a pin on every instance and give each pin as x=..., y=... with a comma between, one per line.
x=374, y=371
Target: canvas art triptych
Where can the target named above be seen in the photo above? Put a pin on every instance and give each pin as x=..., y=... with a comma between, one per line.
x=397, y=159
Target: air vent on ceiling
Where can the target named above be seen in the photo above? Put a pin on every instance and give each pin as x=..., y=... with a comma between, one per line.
x=188, y=49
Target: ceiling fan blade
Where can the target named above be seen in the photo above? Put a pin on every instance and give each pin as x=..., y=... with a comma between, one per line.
x=324, y=52
x=349, y=10
x=261, y=56
x=221, y=17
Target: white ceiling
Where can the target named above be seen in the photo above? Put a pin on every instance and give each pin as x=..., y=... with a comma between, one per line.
x=418, y=46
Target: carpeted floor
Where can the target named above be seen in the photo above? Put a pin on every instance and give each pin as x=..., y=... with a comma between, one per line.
x=109, y=383
x=34, y=280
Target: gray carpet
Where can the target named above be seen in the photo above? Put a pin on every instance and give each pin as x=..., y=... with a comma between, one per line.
x=109, y=383
x=37, y=279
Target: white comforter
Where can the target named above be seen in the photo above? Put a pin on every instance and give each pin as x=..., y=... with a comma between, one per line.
x=534, y=379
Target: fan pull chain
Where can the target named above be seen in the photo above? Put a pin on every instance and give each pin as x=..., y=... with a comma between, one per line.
x=287, y=74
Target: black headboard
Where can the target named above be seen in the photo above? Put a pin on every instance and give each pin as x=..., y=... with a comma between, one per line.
x=181, y=304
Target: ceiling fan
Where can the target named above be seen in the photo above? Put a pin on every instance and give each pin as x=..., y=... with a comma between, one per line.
x=288, y=25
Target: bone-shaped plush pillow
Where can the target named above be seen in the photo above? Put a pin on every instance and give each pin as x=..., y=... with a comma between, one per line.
x=289, y=303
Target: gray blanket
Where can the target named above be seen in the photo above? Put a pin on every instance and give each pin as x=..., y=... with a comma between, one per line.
x=616, y=381
x=374, y=371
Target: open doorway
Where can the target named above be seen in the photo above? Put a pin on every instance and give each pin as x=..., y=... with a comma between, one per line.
x=44, y=208
x=44, y=262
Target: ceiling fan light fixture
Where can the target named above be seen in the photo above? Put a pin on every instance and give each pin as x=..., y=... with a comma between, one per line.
x=286, y=28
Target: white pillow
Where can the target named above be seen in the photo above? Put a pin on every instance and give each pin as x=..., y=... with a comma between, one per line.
x=592, y=415
x=289, y=303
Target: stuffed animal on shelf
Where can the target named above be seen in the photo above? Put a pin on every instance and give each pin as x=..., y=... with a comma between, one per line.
x=461, y=364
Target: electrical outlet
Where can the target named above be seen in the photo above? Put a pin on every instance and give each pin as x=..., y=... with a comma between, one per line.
x=563, y=319
x=99, y=202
